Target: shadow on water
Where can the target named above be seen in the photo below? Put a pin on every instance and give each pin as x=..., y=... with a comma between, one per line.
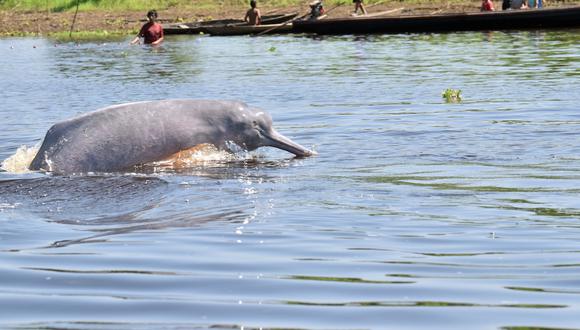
x=153, y=199
x=58, y=198
x=117, y=201
x=175, y=221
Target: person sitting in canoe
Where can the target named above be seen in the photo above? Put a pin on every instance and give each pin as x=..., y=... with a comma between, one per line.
x=253, y=16
x=316, y=9
x=518, y=4
x=505, y=5
x=151, y=32
x=487, y=5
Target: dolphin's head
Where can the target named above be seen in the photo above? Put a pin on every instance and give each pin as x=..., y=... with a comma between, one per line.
x=254, y=129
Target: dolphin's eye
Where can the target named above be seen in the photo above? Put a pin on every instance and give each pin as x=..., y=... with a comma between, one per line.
x=255, y=123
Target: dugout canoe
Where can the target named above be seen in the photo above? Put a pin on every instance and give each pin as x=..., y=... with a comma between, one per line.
x=199, y=27
x=568, y=17
x=237, y=30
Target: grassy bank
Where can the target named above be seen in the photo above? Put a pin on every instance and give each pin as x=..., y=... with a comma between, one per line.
x=105, y=17
x=123, y=5
x=143, y=5
x=123, y=17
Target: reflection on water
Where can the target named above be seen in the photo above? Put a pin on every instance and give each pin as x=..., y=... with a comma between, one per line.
x=416, y=213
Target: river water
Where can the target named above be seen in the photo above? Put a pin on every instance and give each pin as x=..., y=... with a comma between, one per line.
x=417, y=212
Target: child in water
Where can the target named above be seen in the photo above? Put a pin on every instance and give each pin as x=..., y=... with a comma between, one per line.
x=151, y=32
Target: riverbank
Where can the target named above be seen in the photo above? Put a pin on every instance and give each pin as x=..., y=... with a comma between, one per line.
x=14, y=23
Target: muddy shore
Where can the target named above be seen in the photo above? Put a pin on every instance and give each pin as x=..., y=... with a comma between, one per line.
x=47, y=23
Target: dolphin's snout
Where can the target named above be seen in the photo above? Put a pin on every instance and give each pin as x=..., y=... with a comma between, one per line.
x=277, y=140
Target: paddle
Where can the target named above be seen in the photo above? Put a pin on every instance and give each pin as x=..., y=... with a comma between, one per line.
x=279, y=26
x=375, y=4
x=381, y=13
x=333, y=8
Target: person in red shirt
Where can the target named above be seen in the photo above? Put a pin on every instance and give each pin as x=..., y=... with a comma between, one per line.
x=151, y=32
x=487, y=5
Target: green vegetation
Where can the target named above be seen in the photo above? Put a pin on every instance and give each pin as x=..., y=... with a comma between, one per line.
x=546, y=211
x=141, y=5
x=106, y=5
x=344, y=279
x=443, y=304
x=417, y=181
x=89, y=5
x=452, y=95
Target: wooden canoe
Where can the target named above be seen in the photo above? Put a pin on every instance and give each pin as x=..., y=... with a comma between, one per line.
x=498, y=20
x=236, y=30
x=199, y=27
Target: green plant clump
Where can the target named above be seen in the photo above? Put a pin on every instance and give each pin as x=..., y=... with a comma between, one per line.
x=452, y=95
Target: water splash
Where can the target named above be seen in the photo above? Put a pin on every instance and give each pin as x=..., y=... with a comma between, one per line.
x=200, y=155
x=204, y=155
x=19, y=162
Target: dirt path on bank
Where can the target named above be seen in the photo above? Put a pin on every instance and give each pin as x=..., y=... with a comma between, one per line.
x=46, y=23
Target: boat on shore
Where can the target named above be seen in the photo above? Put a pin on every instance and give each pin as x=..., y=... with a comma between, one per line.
x=236, y=30
x=564, y=17
x=202, y=27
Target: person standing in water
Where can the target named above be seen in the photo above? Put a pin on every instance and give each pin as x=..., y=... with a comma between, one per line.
x=253, y=16
x=151, y=32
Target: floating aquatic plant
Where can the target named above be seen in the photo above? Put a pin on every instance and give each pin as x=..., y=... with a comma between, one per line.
x=272, y=49
x=452, y=95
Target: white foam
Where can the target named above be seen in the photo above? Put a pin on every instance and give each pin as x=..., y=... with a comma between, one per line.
x=202, y=155
x=19, y=162
x=4, y=206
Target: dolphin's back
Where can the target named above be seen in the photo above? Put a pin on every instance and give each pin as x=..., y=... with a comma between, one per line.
x=121, y=136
